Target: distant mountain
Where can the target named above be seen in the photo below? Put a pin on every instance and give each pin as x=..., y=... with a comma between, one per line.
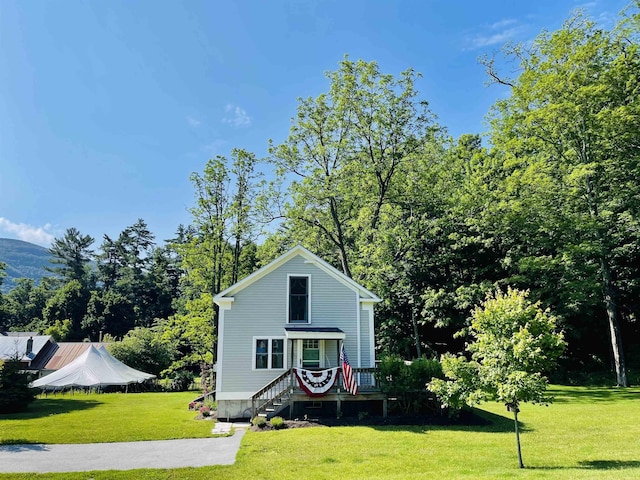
x=23, y=259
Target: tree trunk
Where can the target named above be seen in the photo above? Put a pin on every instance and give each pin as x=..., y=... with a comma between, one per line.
x=607, y=288
x=614, y=325
x=344, y=261
x=235, y=268
x=416, y=336
x=340, y=237
x=515, y=417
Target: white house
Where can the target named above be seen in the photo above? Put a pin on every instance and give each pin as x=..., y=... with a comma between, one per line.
x=294, y=312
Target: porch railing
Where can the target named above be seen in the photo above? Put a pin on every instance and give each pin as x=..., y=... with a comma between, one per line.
x=366, y=378
x=271, y=392
x=277, y=391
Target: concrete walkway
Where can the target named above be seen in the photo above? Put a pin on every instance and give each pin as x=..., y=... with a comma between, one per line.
x=195, y=452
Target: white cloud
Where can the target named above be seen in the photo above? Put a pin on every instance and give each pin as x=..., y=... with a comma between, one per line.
x=586, y=5
x=498, y=33
x=480, y=41
x=28, y=233
x=192, y=121
x=502, y=23
x=236, y=116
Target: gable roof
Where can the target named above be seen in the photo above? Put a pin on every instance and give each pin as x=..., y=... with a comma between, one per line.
x=365, y=295
x=16, y=345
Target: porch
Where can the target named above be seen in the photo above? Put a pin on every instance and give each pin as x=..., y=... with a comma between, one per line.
x=285, y=391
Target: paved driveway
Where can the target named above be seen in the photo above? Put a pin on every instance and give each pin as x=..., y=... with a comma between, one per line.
x=197, y=452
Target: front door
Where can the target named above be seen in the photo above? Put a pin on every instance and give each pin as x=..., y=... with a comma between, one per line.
x=310, y=353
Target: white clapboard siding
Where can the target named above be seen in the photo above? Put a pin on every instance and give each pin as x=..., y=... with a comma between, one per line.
x=259, y=310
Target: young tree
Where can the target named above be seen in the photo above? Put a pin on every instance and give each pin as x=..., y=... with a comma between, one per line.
x=214, y=252
x=513, y=343
x=15, y=394
x=243, y=227
x=192, y=335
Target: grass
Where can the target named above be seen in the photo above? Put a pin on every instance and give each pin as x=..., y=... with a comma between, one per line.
x=113, y=417
x=588, y=433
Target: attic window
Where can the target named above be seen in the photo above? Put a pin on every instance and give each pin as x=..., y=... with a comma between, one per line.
x=298, y=299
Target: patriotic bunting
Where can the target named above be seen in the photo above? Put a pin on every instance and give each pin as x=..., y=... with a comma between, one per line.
x=316, y=383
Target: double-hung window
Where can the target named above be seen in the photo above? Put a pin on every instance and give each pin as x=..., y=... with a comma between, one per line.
x=268, y=353
x=298, y=301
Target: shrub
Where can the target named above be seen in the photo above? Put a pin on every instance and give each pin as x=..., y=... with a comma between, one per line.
x=278, y=423
x=205, y=411
x=259, y=422
x=423, y=370
x=143, y=349
x=181, y=381
x=15, y=394
x=407, y=381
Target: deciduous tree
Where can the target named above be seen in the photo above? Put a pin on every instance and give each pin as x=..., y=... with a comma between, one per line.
x=567, y=136
x=513, y=343
x=144, y=349
x=345, y=152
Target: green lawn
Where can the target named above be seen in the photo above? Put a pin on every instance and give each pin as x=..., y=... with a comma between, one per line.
x=113, y=417
x=587, y=433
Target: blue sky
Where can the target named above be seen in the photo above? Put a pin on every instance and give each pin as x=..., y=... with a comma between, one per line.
x=106, y=108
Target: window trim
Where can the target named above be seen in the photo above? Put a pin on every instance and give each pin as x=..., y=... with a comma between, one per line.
x=299, y=275
x=269, y=339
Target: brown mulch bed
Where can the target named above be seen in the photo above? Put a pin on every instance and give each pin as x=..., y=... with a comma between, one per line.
x=464, y=418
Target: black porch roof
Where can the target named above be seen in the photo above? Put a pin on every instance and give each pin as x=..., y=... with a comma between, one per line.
x=322, y=333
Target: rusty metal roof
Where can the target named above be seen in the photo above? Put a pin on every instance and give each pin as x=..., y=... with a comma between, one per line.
x=67, y=352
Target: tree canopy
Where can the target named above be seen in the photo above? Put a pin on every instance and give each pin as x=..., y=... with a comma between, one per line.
x=567, y=137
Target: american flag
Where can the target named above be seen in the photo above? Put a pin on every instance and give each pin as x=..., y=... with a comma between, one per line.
x=348, y=380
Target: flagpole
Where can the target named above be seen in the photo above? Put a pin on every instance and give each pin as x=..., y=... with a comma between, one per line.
x=340, y=347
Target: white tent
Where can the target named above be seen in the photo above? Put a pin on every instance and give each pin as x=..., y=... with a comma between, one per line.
x=94, y=368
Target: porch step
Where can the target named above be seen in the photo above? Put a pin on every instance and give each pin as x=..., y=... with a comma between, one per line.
x=275, y=406
x=273, y=397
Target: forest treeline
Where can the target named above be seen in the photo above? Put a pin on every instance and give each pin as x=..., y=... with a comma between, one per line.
x=548, y=201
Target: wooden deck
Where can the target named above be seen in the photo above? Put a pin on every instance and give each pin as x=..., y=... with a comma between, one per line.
x=340, y=397
x=285, y=391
